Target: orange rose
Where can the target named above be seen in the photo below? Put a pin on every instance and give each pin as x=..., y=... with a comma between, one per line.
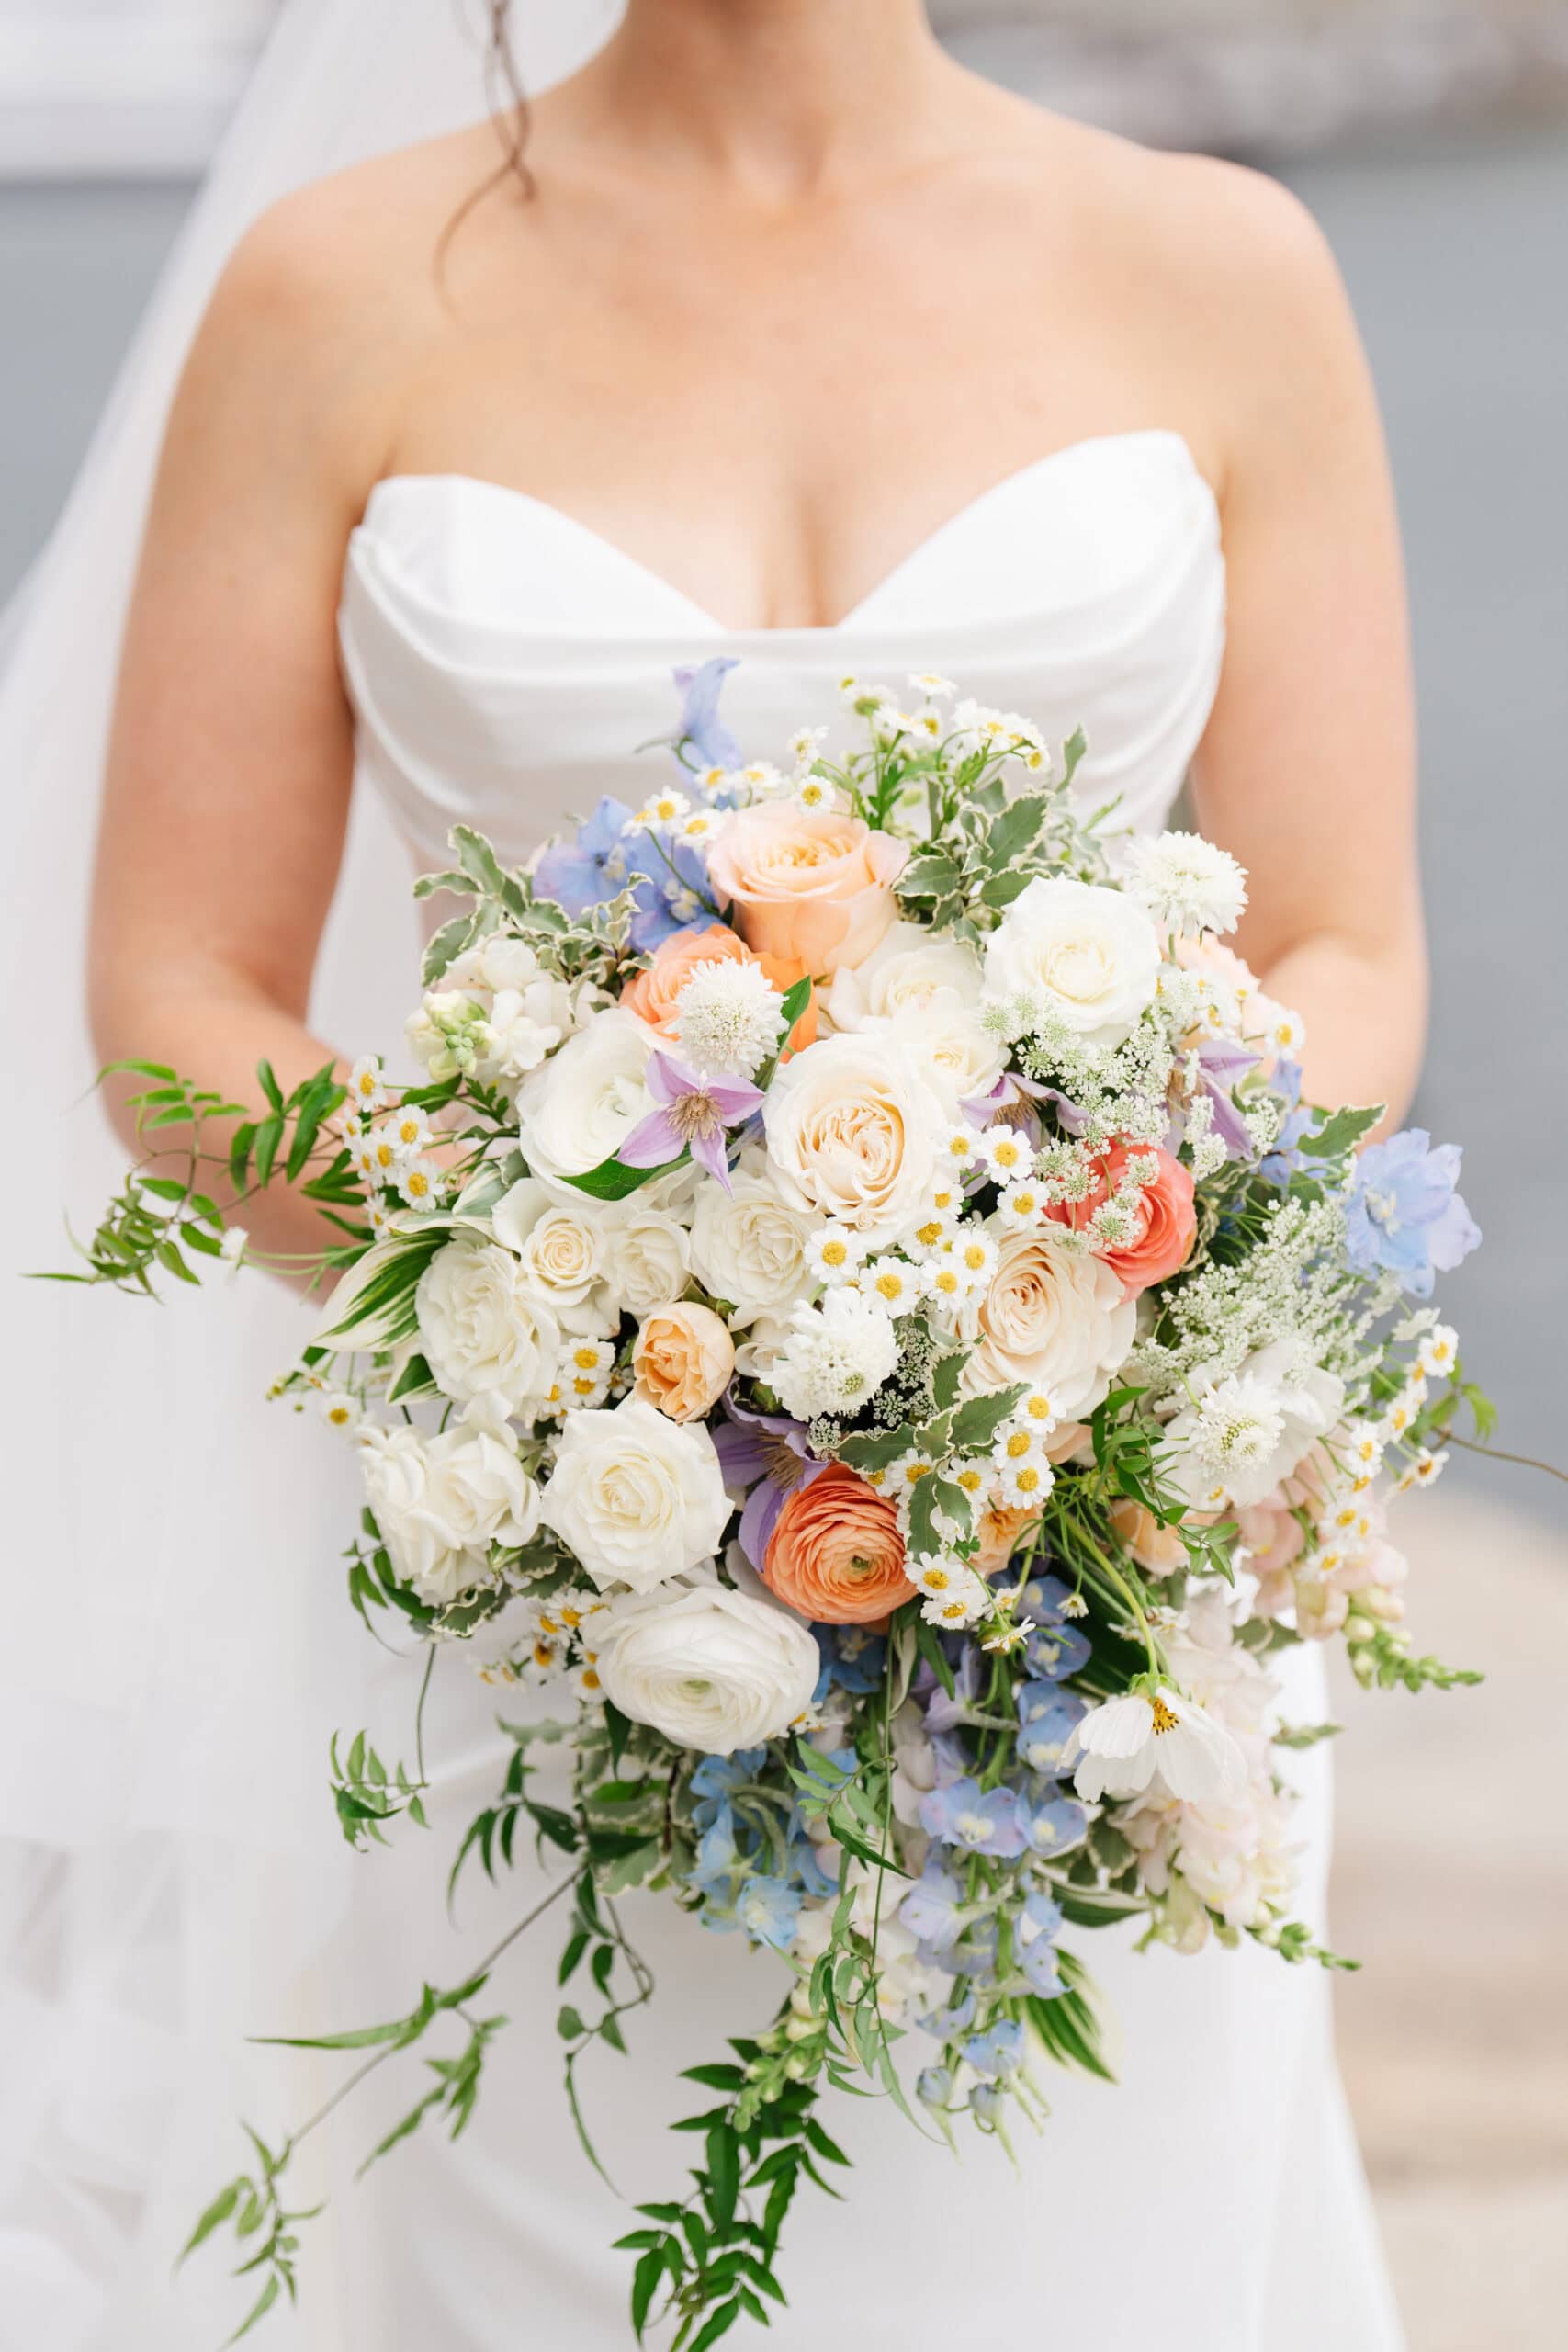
x=1168, y=1220
x=654, y=995
x=683, y=1361
x=806, y=883
x=999, y=1532
x=835, y=1554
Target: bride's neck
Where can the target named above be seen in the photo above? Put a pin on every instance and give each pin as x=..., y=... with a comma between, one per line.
x=782, y=95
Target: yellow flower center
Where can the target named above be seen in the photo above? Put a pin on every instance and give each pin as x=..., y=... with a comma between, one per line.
x=1164, y=1719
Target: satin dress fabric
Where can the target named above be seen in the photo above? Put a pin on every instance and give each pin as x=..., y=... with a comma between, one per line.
x=504, y=661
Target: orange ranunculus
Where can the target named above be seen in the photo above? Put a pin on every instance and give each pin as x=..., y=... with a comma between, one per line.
x=835, y=1554
x=654, y=995
x=807, y=883
x=1168, y=1222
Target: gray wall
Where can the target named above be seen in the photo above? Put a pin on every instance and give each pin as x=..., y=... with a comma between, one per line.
x=1442, y=246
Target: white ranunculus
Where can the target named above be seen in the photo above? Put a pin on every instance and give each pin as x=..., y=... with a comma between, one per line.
x=712, y=1670
x=1078, y=953
x=562, y=1250
x=487, y=1336
x=1053, y=1317
x=748, y=1245
x=440, y=1502
x=648, y=1255
x=639, y=1497
x=1247, y=1432
x=903, y=974
x=578, y=1107
x=959, y=1056
x=854, y=1127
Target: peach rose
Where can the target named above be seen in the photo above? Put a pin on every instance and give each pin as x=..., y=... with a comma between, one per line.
x=654, y=995
x=806, y=883
x=999, y=1532
x=1157, y=1550
x=1168, y=1220
x=683, y=1361
x=835, y=1554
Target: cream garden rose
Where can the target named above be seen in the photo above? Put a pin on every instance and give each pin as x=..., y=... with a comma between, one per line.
x=712, y=1670
x=488, y=1337
x=563, y=1253
x=1053, y=1317
x=647, y=1254
x=637, y=1498
x=578, y=1106
x=905, y=974
x=854, y=1131
x=440, y=1503
x=748, y=1245
x=1077, y=953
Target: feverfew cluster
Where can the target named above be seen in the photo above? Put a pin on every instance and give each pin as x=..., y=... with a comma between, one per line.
x=859, y=1303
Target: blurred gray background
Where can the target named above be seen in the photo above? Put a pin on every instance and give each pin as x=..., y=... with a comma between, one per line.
x=1430, y=138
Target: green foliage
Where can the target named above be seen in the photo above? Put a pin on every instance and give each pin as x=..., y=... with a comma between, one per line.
x=367, y=1794
x=1380, y=1655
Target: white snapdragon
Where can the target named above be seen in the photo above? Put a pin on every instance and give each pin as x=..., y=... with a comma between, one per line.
x=1188, y=884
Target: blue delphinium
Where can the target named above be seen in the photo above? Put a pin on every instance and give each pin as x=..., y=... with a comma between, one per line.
x=1404, y=1214
x=1047, y=1718
x=592, y=866
x=669, y=881
x=768, y=1910
x=852, y=1658
x=702, y=734
x=1037, y=1932
x=998, y=2052
x=987, y=1821
x=1052, y=1824
x=933, y=1909
x=1282, y=1163
x=1056, y=1651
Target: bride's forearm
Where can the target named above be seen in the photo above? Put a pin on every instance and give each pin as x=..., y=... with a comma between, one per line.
x=214, y=1027
x=1365, y=1013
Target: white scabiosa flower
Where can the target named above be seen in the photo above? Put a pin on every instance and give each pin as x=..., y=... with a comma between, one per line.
x=1129, y=1744
x=835, y=1355
x=730, y=1019
x=1247, y=1432
x=1186, y=884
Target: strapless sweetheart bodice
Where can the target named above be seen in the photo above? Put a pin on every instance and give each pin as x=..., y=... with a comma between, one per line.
x=505, y=662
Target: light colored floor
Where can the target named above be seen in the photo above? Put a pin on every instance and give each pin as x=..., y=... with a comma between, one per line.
x=1452, y=1887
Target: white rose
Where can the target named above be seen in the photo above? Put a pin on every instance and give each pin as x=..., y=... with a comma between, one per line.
x=854, y=1129
x=578, y=1107
x=487, y=1338
x=960, y=1058
x=440, y=1502
x=647, y=1256
x=1053, y=1317
x=903, y=974
x=1084, y=954
x=712, y=1670
x=562, y=1252
x=748, y=1245
x=636, y=1496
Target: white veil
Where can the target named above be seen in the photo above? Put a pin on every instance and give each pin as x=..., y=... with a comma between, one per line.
x=175, y=1645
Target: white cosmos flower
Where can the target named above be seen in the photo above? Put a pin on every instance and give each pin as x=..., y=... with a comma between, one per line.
x=712, y=1670
x=578, y=1107
x=1186, y=884
x=1121, y=1747
x=1078, y=953
x=637, y=1496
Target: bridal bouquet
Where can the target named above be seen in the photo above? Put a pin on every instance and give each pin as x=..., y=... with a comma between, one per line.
x=857, y=1311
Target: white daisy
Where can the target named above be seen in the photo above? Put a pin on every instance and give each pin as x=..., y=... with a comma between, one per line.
x=834, y=1255
x=893, y=1281
x=365, y=1090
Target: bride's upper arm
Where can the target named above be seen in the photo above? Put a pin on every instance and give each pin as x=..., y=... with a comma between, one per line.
x=230, y=755
x=1307, y=770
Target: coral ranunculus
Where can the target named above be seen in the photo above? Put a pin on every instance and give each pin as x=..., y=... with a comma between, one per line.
x=835, y=1554
x=808, y=884
x=654, y=995
x=1168, y=1222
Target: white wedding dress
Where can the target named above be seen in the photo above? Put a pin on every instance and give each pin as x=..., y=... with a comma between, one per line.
x=504, y=662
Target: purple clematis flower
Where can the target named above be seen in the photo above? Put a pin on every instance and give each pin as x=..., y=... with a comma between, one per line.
x=989, y=1821
x=1222, y=1063
x=702, y=730
x=767, y=1453
x=693, y=1114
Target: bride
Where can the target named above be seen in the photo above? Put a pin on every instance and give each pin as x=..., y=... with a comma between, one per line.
x=776, y=336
